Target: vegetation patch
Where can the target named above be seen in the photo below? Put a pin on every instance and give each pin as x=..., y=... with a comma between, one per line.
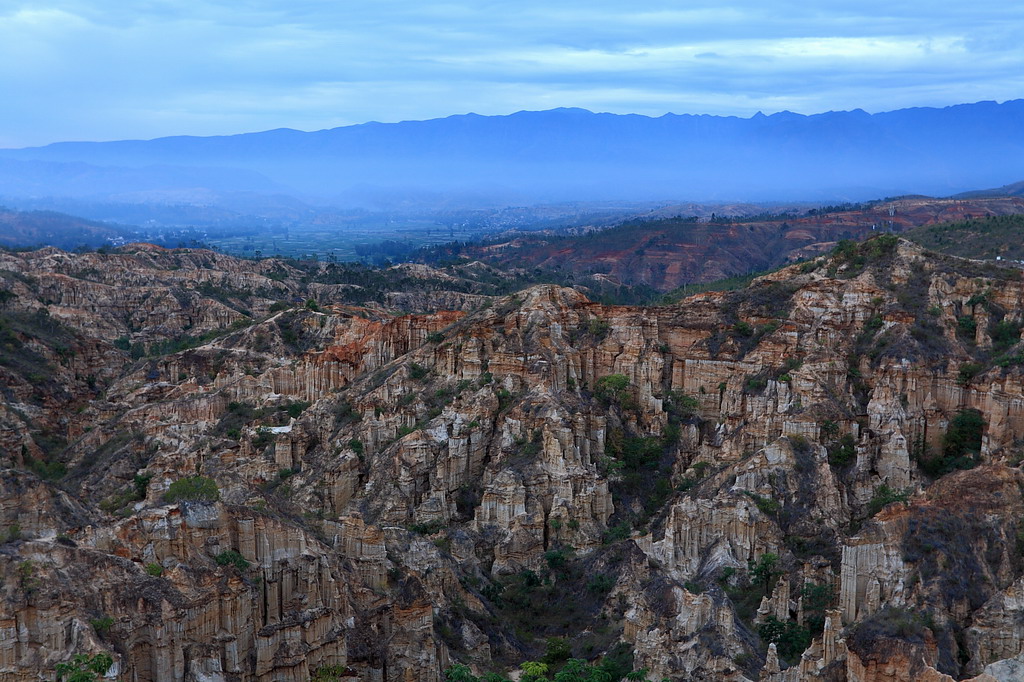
x=193, y=489
x=232, y=558
x=961, y=445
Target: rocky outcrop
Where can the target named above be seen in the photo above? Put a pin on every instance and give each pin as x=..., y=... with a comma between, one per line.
x=401, y=492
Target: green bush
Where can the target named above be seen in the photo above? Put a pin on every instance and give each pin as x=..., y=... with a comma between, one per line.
x=598, y=328
x=557, y=650
x=84, y=668
x=557, y=559
x=612, y=388
x=966, y=327
x=297, y=408
x=1005, y=334
x=767, y=505
x=418, y=371
x=427, y=527
x=884, y=495
x=154, y=569
x=743, y=329
x=601, y=583
x=961, y=445
x=790, y=639
x=755, y=384
x=193, y=489
x=620, y=531
x=141, y=484
x=843, y=451
x=968, y=371
x=101, y=625
x=765, y=570
x=963, y=437
x=232, y=558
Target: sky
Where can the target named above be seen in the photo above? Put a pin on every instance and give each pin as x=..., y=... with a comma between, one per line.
x=109, y=69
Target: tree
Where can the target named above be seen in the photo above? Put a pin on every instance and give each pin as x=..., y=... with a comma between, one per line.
x=460, y=673
x=765, y=570
x=534, y=671
x=84, y=668
x=576, y=670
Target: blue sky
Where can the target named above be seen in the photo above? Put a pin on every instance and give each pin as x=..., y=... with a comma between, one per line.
x=107, y=69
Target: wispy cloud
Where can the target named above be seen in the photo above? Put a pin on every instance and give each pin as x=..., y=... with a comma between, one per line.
x=99, y=69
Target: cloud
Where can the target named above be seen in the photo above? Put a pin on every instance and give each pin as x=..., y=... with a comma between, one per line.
x=99, y=69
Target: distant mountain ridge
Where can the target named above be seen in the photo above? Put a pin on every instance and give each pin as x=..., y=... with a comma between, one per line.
x=562, y=154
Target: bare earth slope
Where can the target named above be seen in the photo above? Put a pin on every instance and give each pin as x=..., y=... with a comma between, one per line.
x=814, y=478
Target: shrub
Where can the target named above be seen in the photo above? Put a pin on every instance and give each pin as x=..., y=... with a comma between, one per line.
x=598, y=328
x=765, y=570
x=232, y=558
x=620, y=531
x=755, y=384
x=961, y=445
x=842, y=451
x=193, y=489
x=884, y=495
x=154, y=569
x=963, y=437
x=557, y=650
x=601, y=584
x=681, y=405
x=297, y=408
x=84, y=668
x=333, y=673
x=790, y=639
x=557, y=559
x=743, y=329
x=435, y=337
x=504, y=399
x=141, y=484
x=966, y=327
x=817, y=599
x=767, y=505
x=612, y=388
x=427, y=527
x=101, y=625
x=1005, y=334
x=968, y=371
x=829, y=428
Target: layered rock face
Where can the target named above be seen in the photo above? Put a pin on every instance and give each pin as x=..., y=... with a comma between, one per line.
x=814, y=478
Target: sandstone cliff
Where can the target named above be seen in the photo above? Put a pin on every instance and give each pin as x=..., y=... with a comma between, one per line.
x=813, y=478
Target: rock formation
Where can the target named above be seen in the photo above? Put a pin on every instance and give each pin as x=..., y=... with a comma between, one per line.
x=813, y=478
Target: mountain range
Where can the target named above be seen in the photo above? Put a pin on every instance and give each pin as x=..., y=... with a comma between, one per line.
x=539, y=156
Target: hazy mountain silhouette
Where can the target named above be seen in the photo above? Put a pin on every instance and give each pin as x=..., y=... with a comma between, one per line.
x=561, y=154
